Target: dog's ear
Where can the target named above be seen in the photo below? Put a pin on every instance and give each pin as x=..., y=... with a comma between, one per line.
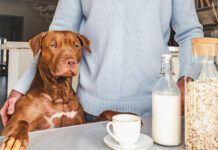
x=84, y=42
x=35, y=43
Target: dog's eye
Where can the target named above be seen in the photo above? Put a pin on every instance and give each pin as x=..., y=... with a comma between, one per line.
x=76, y=45
x=53, y=44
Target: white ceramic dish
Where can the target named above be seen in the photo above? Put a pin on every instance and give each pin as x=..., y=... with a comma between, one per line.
x=144, y=142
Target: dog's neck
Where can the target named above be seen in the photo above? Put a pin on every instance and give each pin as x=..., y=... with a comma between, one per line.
x=59, y=89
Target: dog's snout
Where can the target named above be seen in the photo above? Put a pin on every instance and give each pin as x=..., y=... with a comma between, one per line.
x=71, y=61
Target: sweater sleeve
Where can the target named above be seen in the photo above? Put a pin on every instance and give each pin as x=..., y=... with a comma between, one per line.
x=186, y=25
x=68, y=16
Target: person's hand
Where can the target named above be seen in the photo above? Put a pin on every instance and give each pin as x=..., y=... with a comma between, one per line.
x=9, y=106
x=181, y=84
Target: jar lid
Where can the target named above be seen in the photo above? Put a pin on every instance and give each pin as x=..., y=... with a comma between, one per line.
x=207, y=40
x=205, y=46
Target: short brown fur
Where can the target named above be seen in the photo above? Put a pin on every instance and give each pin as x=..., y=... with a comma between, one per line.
x=51, y=91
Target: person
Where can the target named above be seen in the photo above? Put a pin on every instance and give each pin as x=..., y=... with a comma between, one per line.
x=127, y=40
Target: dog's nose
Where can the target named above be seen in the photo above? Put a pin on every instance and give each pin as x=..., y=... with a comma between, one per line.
x=71, y=61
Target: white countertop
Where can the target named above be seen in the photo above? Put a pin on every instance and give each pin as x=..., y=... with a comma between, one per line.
x=81, y=137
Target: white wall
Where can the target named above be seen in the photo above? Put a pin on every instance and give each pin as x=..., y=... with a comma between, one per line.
x=33, y=24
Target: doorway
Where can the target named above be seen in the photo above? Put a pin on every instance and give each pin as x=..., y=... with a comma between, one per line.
x=11, y=27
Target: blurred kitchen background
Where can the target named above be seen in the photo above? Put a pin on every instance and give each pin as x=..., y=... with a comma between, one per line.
x=19, y=21
x=22, y=19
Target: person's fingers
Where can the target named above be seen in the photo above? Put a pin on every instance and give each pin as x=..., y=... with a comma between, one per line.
x=181, y=85
x=4, y=114
x=11, y=106
x=5, y=120
x=4, y=107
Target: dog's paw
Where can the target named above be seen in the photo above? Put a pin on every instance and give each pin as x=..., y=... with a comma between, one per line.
x=14, y=143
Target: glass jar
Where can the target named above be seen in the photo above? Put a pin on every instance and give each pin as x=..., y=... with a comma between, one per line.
x=201, y=98
x=166, y=107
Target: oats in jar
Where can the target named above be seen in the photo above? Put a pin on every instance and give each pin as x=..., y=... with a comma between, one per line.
x=201, y=115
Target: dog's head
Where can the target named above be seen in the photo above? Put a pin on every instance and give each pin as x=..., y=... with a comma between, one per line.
x=61, y=51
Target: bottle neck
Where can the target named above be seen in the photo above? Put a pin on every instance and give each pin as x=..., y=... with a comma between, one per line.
x=166, y=85
x=166, y=69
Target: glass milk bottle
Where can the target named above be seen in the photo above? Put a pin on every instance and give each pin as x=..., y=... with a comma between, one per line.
x=166, y=107
x=201, y=97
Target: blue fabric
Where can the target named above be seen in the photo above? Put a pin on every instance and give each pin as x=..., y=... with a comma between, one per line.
x=127, y=39
x=89, y=117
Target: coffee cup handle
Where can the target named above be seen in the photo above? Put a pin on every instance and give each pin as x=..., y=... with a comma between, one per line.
x=109, y=131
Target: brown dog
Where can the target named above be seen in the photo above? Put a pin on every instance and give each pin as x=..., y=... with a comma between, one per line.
x=50, y=101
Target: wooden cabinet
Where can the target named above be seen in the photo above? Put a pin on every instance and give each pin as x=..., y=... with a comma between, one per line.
x=207, y=11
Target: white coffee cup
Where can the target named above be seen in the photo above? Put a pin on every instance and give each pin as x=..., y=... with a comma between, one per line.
x=126, y=129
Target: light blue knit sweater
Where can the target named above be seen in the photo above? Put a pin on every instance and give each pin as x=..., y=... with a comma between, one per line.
x=127, y=39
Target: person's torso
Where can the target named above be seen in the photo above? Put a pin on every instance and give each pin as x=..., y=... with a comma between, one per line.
x=127, y=39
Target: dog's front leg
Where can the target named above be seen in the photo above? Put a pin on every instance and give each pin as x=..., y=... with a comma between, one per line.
x=16, y=136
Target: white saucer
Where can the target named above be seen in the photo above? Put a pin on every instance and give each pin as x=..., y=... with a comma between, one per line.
x=144, y=142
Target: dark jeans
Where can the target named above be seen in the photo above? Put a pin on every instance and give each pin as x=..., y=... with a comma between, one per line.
x=89, y=117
